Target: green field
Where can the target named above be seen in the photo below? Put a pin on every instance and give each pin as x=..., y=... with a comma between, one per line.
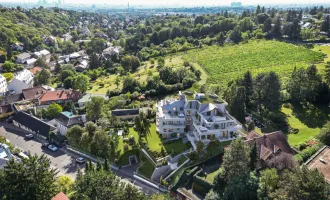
x=309, y=119
x=210, y=177
x=146, y=169
x=224, y=64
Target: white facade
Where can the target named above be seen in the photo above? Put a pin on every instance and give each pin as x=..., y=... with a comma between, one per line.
x=3, y=85
x=199, y=121
x=22, y=80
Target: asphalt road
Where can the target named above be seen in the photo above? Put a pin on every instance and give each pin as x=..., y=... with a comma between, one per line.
x=62, y=160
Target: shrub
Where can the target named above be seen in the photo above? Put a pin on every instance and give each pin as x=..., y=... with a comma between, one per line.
x=302, y=146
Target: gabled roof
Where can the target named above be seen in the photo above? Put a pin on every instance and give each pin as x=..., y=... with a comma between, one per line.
x=88, y=97
x=23, y=56
x=252, y=135
x=60, y=95
x=124, y=112
x=60, y=196
x=10, y=98
x=34, y=70
x=270, y=143
x=33, y=93
x=33, y=123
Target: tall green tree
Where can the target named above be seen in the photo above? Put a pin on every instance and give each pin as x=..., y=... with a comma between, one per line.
x=81, y=82
x=268, y=181
x=94, y=108
x=30, y=179
x=236, y=98
x=54, y=110
x=267, y=25
x=236, y=35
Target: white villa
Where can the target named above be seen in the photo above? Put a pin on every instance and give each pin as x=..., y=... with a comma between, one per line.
x=199, y=119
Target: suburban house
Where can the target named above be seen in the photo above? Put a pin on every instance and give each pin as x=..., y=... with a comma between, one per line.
x=81, y=65
x=67, y=120
x=307, y=25
x=18, y=46
x=34, y=93
x=205, y=121
x=88, y=97
x=5, y=155
x=126, y=114
x=43, y=53
x=22, y=80
x=3, y=85
x=112, y=51
x=22, y=58
x=32, y=124
x=6, y=101
x=273, y=148
x=30, y=62
x=35, y=70
x=321, y=161
x=59, y=96
x=307, y=16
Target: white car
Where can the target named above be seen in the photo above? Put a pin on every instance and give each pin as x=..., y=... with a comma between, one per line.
x=52, y=147
x=80, y=160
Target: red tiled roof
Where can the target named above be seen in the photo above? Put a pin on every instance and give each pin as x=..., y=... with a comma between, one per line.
x=60, y=95
x=60, y=196
x=33, y=93
x=34, y=70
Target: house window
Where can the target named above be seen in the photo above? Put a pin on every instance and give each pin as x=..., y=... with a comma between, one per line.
x=165, y=130
x=188, y=113
x=170, y=130
x=203, y=137
x=181, y=108
x=208, y=113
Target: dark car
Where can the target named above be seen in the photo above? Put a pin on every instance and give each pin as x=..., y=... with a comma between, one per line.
x=29, y=136
x=46, y=144
x=80, y=160
x=10, y=119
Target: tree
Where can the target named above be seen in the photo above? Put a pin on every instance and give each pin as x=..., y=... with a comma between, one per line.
x=94, y=61
x=41, y=62
x=236, y=160
x=327, y=73
x=267, y=183
x=293, y=30
x=262, y=17
x=308, y=184
x=54, y=110
x=74, y=135
x=325, y=24
x=64, y=184
x=42, y=77
x=253, y=156
x=117, y=81
x=236, y=35
x=9, y=76
x=247, y=83
x=272, y=91
x=324, y=135
x=30, y=179
x=94, y=108
x=314, y=81
x=277, y=29
x=81, y=82
x=236, y=99
x=267, y=25
x=104, y=185
x=199, y=147
x=8, y=66
x=65, y=74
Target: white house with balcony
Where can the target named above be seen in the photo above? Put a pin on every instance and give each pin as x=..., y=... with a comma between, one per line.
x=22, y=80
x=199, y=118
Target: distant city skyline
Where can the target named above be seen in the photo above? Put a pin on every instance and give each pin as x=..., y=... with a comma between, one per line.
x=179, y=3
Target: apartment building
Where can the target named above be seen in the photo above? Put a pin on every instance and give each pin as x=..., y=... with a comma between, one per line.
x=199, y=117
x=3, y=85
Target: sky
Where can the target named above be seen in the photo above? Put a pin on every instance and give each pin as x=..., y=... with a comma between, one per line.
x=183, y=2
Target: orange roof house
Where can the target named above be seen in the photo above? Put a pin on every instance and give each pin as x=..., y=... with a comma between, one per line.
x=59, y=96
x=60, y=196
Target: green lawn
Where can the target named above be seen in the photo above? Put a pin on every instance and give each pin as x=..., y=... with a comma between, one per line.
x=308, y=119
x=225, y=64
x=154, y=142
x=210, y=177
x=182, y=159
x=119, y=143
x=146, y=169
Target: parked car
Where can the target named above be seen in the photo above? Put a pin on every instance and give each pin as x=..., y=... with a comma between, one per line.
x=10, y=119
x=52, y=147
x=80, y=160
x=29, y=136
x=46, y=144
